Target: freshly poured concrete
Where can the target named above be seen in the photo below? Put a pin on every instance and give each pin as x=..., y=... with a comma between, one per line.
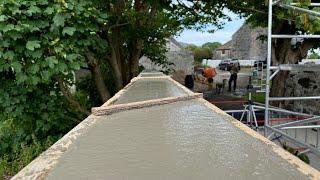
x=151, y=74
x=182, y=140
x=147, y=89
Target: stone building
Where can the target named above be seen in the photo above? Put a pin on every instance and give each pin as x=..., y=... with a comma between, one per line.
x=224, y=51
x=180, y=58
x=244, y=45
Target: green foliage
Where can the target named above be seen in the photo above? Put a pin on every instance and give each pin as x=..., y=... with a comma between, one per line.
x=39, y=41
x=295, y=152
x=257, y=97
x=42, y=42
x=211, y=45
x=203, y=52
x=257, y=13
x=314, y=55
x=21, y=153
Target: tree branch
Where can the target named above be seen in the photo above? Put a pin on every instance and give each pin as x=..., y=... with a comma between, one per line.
x=118, y=25
x=66, y=93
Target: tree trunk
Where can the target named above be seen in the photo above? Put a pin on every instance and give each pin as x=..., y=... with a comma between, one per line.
x=116, y=70
x=284, y=53
x=135, y=57
x=98, y=77
x=115, y=59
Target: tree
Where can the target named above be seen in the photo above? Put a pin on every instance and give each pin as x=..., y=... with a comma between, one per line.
x=43, y=43
x=212, y=45
x=203, y=52
x=284, y=22
x=137, y=28
x=191, y=47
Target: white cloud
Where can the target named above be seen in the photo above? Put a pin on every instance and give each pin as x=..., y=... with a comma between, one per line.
x=199, y=38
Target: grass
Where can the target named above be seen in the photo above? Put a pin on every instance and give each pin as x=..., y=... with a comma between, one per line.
x=257, y=97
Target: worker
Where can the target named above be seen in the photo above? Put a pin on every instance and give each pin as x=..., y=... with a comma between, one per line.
x=233, y=77
x=189, y=82
x=210, y=73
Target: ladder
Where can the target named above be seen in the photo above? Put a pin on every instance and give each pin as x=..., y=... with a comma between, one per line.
x=272, y=71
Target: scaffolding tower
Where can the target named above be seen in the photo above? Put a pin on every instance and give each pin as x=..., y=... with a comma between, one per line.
x=309, y=121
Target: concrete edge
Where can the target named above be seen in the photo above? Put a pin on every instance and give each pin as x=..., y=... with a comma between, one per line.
x=40, y=167
x=126, y=88
x=291, y=159
x=106, y=110
x=157, y=73
x=120, y=93
x=188, y=91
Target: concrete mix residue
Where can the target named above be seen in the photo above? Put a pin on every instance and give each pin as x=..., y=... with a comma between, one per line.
x=147, y=89
x=182, y=140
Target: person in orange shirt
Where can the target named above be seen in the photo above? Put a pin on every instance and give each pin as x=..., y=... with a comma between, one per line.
x=209, y=73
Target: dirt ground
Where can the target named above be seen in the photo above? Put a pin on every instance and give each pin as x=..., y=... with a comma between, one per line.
x=224, y=100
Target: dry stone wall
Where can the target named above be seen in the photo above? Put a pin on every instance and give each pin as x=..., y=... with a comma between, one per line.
x=304, y=84
x=246, y=45
x=181, y=59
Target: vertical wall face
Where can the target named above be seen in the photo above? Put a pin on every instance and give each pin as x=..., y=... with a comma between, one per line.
x=181, y=59
x=245, y=44
x=303, y=84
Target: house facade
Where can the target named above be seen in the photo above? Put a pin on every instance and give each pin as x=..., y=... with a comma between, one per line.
x=224, y=51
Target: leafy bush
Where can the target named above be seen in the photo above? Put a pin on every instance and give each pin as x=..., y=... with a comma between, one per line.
x=295, y=152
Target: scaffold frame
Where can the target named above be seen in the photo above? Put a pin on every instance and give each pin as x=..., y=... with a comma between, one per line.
x=279, y=129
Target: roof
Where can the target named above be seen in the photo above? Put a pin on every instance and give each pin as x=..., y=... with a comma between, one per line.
x=175, y=42
x=175, y=136
x=225, y=46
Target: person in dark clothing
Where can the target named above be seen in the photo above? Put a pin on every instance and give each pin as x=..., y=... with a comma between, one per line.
x=233, y=77
x=189, y=82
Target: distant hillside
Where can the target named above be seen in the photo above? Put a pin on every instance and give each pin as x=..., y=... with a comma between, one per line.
x=183, y=44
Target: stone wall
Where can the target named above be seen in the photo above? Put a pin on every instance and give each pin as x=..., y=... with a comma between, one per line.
x=181, y=59
x=245, y=44
x=304, y=84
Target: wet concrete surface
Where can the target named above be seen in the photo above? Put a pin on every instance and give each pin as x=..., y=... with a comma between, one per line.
x=147, y=89
x=182, y=140
x=151, y=74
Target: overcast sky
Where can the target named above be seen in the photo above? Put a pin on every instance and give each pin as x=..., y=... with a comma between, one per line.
x=222, y=36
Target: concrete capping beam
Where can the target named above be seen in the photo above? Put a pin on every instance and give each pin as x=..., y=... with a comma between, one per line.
x=106, y=110
x=151, y=73
x=40, y=167
x=126, y=88
x=278, y=150
x=120, y=93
